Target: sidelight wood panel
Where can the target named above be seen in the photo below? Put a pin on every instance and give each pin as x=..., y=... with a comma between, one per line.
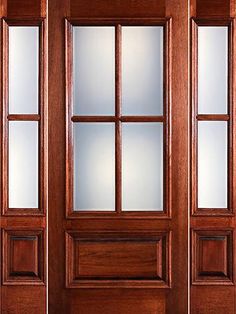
x=23, y=231
x=212, y=287
x=23, y=257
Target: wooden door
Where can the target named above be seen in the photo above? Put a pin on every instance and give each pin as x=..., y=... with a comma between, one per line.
x=136, y=195
x=116, y=261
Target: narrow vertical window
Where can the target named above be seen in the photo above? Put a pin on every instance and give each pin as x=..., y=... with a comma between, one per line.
x=212, y=117
x=23, y=118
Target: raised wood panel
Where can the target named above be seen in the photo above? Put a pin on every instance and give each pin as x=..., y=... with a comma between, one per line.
x=23, y=257
x=212, y=257
x=118, y=8
x=117, y=258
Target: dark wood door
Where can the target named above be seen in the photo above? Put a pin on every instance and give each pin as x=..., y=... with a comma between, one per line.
x=124, y=201
x=116, y=261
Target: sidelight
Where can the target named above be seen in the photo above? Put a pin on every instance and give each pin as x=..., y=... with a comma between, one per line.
x=212, y=115
x=22, y=112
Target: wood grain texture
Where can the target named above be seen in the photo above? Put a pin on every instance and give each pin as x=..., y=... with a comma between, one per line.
x=178, y=297
x=127, y=260
x=25, y=8
x=118, y=8
x=213, y=8
x=23, y=299
x=23, y=257
x=211, y=300
x=212, y=262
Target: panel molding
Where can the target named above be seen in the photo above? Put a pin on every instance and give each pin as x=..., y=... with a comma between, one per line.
x=212, y=257
x=23, y=257
x=95, y=261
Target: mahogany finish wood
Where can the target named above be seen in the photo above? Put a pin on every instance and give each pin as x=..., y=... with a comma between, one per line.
x=140, y=225
x=212, y=252
x=23, y=257
x=123, y=8
x=23, y=232
x=115, y=260
x=213, y=246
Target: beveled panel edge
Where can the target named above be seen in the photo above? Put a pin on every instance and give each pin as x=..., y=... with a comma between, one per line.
x=163, y=236
x=7, y=279
x=196, y=279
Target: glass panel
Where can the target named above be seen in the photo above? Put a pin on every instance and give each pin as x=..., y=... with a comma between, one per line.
x=23, y=164
x=94, y=166
x=94, y=70
x=142, y=166
x=212, y=69
x=212, y=164
x=142, y=68
x=23, y=69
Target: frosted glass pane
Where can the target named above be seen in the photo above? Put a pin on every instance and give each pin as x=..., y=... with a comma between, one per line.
x=94, y=70
x=212, y=164
x=142, y=166
x=142, y=70
x=23, y=164
x=23, y=69
x=213, y=69
x=94, y=166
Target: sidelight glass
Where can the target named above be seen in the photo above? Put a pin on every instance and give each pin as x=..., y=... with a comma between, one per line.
x=142, y=70
x=142, y=166
x=94, y=166
x=212, y=70
x=212, y=164
x=93, y=70
x=23, y=164
x=23, y=69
